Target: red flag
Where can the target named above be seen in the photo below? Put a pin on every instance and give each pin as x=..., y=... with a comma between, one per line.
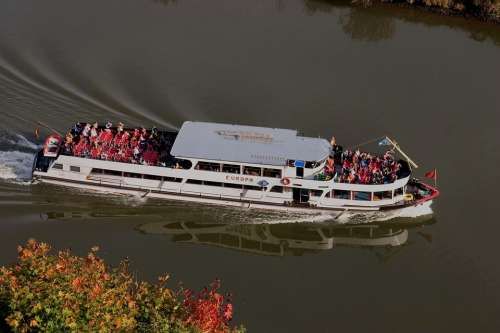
x=431, y=174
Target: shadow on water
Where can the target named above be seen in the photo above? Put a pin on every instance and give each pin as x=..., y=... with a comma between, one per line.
x=378, y=22
x=358, y=23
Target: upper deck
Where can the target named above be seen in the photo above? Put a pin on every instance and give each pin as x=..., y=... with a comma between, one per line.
x=234, y=149
x=247, y=144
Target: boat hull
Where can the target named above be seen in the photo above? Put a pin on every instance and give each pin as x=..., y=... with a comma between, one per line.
x=242, y=203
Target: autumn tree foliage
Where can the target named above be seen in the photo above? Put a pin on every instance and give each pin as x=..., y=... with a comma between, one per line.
x=67, y=293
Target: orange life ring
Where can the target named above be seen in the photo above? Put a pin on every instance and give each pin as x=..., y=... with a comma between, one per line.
x=285, y=181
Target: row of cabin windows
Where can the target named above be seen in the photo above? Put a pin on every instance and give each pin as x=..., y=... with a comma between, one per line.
x=364, y=196
x=59, y=166
x=238, y=169
x=337, y=194
x=229, y=185
x=134, y=175
x=178, y=180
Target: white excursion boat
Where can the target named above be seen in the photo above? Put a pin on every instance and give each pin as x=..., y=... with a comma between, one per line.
x=243, y=166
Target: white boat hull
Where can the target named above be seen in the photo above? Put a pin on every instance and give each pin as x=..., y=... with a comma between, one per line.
x=246, y=204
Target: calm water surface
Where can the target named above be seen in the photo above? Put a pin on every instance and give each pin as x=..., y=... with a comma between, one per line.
x=322, y=67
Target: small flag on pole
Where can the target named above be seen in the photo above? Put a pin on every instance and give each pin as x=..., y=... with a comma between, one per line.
x=431, y=174
x=385, y=142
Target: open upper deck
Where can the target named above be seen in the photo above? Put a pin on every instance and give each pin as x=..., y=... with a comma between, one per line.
x=246, y=144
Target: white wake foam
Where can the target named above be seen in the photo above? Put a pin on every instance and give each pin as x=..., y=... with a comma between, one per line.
x=352, y=217
x=15, y=165
x=21, y=141
x=16, y=159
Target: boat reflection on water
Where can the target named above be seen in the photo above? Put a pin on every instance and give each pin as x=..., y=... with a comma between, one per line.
x=384, y=238
x=286, y=239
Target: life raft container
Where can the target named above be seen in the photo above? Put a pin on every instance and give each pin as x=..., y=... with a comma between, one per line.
x=408, y=197
x=285, y=181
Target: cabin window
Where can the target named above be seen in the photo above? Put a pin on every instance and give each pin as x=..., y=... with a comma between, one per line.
x=95, y=170
x=74, y=168
x=251, y=187
x=208, y=166
x=172, y=179
x=315, y=193
x=291, y=163
x=312, y=164
x=194, y=181
x=230, y=185
x=231, y=168
x=253, y=171
x=212, y=183
x=398, y=191
x=382, y=195
x=274, y=173
x=182, y=164
x=328, y=194
x=341, y=194
x=132, y=175
x=57, y=166
x=178, y=164
x=362, y=196
x=152, y=177
x=113, y=173
x=277, y=189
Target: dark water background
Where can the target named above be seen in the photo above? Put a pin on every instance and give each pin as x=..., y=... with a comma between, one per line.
x=322, y=67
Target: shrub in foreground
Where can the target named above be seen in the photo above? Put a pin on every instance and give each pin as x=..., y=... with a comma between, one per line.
x=66, y=293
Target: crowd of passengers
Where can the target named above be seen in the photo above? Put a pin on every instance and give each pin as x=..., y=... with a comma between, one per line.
x=139, y=146
x=358, y=167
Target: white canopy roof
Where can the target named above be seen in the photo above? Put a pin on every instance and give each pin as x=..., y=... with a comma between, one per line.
x=246, y=144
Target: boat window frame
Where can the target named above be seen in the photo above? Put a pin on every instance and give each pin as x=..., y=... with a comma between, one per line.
x=208, y=166
x=341, y=197
x=356, y=195
x=233, y=185
x=110, y=172
x=249, y=168
x=129, y=175
x=213, y=184
x=227, y=167
x=194, y=181
x=253, y=188
x=271, y=172
x=172, y=179
x=277, y=189
x=315, y=192
x=151, y=177
x=381, y=195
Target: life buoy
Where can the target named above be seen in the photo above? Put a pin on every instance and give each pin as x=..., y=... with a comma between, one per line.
x=285, y=181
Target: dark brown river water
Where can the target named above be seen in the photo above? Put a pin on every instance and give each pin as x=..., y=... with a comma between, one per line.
x=323, y=67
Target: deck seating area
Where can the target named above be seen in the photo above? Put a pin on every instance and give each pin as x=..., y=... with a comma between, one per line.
x=356, y=167
x=119, y=144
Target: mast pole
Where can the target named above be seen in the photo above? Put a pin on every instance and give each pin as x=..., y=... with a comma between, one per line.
x=395, y=145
